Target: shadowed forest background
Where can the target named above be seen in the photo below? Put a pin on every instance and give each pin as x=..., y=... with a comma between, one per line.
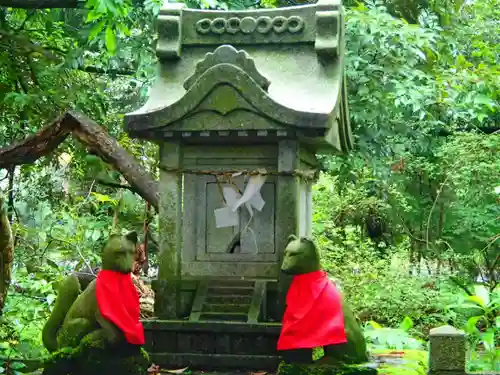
x=409, y=222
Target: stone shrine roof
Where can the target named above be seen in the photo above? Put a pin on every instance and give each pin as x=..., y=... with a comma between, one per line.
x=264, y=71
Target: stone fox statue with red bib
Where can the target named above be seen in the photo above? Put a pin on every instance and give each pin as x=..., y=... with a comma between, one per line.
x=100, y=323
x=315, y=314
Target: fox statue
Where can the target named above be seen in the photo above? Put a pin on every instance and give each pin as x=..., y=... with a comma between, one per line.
x=88, y=329
x=316, y=314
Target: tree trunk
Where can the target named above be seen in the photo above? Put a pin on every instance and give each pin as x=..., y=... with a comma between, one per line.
x=6, y=254
x=93, y=136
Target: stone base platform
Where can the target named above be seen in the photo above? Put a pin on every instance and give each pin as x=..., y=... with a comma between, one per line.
x=212, y=345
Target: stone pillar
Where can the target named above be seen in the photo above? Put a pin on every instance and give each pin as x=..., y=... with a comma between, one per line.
x=167, y=290
x=287, y=211
x=447, y=351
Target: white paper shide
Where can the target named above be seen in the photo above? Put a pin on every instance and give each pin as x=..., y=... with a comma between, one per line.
x=228, y=216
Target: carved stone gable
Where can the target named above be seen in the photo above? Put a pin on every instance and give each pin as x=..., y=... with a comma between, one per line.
x=227, y=54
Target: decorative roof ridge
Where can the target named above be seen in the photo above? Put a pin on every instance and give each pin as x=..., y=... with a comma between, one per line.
x=227, y=54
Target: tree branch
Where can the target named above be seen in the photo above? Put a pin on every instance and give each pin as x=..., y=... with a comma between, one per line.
x=91, y=135
x=461, y=285
x=42, y=4
x=48, y=4
x=96, y=70
x=115, y=185
x=28, y=45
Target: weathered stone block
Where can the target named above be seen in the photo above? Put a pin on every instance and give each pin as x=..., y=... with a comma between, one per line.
x=447, y=351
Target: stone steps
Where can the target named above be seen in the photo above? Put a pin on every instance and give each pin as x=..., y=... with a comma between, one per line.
x=226, y=307
x=231, y=283
x=224, y=316
x=230, y=290
x=223, y=300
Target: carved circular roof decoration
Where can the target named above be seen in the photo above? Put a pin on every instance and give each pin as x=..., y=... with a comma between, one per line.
x=295, y=24
x=233, y=25
x=218, y=26
x=203, y=26
x=264, y=24
x=249, y=25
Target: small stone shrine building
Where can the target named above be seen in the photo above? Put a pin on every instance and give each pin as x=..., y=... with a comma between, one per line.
x=243, y=102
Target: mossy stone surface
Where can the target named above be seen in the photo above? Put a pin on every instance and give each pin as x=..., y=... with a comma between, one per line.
x=98, y=359
x=320, y=369
x=405, y=362
x=354, y=350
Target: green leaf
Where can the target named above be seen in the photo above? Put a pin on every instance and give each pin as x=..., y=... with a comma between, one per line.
x=96, y=30
x=102, y=198
x=96, y=234
x=374, y=324
x=471, y=325
x=51, y=298
x=485, y=100
x=110, y=40
x=52, y=264
x=406, y=324
x=488, y=339
x=364, y=90
x=124, y=29
x=17, y=365
x=482, y=292
x=476, y=300
x=93, y=15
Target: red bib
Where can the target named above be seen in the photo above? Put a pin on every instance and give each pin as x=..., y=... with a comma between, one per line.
x=313, y=315
x=118, y=302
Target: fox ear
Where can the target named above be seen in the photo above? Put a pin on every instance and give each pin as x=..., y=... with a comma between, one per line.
x=291, y=238
x=306, y=239
x=132, y=237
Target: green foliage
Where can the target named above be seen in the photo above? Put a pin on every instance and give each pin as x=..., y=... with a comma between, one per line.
x=481, y=322
x=25, y=314
x=402, y=362
x=424, y=171
x=392, y=338
x=52, y=243
x=375, y=279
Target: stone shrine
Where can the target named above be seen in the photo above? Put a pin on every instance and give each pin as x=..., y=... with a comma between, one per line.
x=243, y=102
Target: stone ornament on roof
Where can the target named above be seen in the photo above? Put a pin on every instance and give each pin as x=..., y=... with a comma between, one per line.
x=227, y=54
x=319, y=23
